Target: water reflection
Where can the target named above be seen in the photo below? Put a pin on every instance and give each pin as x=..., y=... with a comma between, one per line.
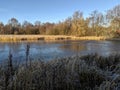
x=73, y=47
x=51, y=50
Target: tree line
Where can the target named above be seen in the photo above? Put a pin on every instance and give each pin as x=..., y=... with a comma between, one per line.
x=96, y=24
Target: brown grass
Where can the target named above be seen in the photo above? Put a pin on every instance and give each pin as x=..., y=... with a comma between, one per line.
x=47, y=37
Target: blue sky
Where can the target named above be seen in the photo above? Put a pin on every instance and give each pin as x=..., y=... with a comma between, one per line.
x=50, y=10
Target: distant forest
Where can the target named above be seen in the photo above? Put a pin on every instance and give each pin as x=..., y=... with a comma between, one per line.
x=96, y=24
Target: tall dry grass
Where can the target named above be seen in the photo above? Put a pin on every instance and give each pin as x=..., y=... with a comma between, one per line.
x=90, y=72
x=47, y=37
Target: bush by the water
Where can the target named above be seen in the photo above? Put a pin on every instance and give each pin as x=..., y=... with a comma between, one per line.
x=90, y=72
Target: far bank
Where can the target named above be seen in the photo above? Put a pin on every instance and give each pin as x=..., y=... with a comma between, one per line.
x=51, y=37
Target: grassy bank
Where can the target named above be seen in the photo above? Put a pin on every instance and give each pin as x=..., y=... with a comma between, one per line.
x=47, y=37
x=90, y=72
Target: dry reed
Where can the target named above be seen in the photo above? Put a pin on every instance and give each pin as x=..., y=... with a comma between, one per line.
x=47, y=37
x=90, y=72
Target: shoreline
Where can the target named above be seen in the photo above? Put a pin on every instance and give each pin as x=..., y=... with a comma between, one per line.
x=7, y=38
x=15, y=38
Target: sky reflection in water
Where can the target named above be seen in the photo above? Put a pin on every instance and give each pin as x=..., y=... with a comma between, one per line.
x=51, y=50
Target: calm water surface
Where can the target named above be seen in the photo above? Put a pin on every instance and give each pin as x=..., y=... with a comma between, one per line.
x=51, y=50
